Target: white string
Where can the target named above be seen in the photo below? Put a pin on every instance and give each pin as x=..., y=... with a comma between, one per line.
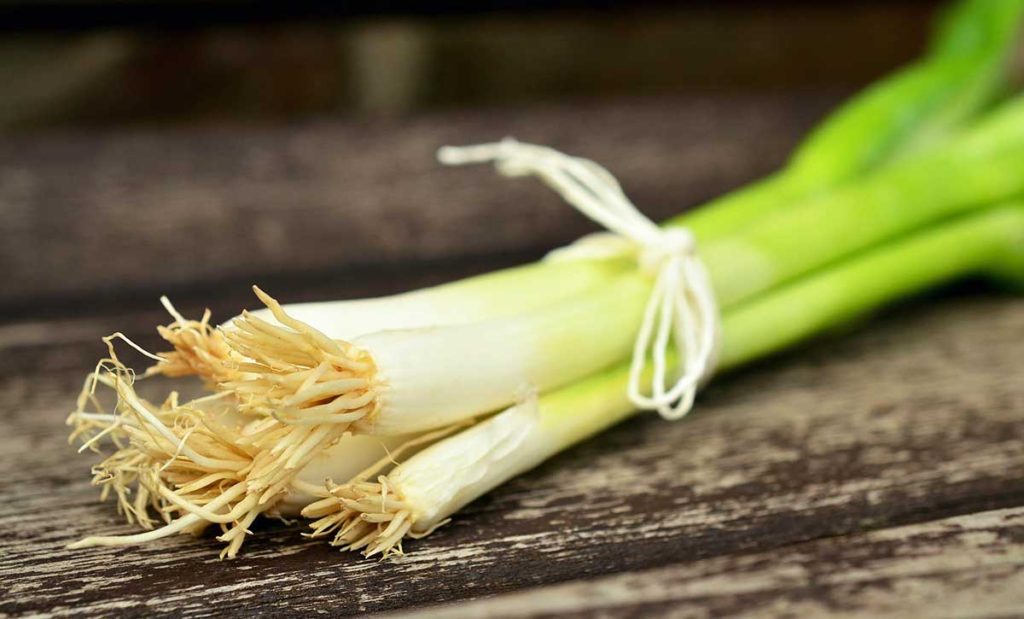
x=681, y=309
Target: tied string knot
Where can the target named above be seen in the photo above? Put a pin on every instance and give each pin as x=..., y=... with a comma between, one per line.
x=680, y=312
x=674, y=243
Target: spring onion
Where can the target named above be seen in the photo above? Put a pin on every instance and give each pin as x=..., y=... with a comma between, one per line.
x=308, y=390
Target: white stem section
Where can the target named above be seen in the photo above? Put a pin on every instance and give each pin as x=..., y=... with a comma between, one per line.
x=443, y=478
x=439, y=481
x=430, y=378
x=483, y=297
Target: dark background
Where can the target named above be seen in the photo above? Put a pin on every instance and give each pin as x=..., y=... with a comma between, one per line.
x=193, y=148
x=89, y=63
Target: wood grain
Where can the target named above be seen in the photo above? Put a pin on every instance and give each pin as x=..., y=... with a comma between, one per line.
x=91, y=216
x=880, y=471
x=966, y=566
x=916, y=419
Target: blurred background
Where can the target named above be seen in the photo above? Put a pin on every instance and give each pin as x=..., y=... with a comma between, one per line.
x=127, y=61
x=194, y=148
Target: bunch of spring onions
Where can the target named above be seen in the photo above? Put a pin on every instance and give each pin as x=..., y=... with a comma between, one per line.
x=378, y=419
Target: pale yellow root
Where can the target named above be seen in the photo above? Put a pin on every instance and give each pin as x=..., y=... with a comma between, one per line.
x=182, y=461
x=297, y=374
x=169, y=462
x=299, y=389
x=199, y=349
x=364, y=516
x=372, y=517
x=128, y=472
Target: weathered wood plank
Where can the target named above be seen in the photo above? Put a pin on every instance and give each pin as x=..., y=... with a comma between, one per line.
x=85, y=215
x=966, y=566
x=915, y=419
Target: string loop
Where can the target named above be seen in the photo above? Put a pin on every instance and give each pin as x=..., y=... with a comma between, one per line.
x=681, y=310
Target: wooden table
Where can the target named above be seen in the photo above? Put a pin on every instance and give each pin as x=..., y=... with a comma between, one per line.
x=876, y=471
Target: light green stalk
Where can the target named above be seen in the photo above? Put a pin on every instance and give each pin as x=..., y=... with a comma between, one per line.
x=989, y=243
x=500, y=294
x=981, y=167
x=921, y=105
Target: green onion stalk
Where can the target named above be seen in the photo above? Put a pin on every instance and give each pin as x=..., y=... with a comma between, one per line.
x=293, y=383
x=964, y=72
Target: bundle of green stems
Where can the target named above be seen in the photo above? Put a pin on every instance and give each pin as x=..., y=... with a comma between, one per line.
x=378, y=419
